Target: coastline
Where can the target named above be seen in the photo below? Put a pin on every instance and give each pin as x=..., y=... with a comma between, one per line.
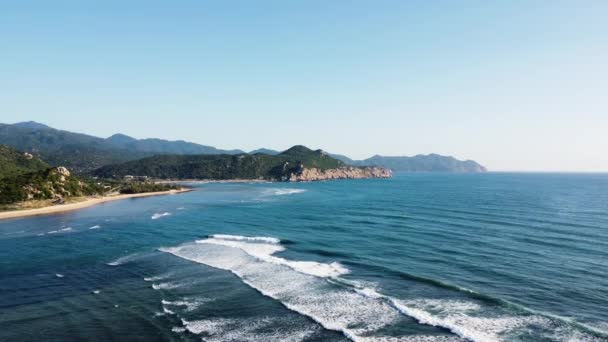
x=207, y=181
x=90, y=201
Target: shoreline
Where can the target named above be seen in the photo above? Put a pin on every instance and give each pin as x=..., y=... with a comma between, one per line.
x=88, y=202
x=206, y=181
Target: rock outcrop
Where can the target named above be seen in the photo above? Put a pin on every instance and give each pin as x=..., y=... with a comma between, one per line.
x=346, y=172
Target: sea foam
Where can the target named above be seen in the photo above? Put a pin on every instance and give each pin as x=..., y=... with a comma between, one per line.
x=159, y=215
x=263, y=248
x=280, y=192
x=358, y=310
x=248, y=330
x=165, y=286
x=301, y=286
x=123, y=259
x=246, y=238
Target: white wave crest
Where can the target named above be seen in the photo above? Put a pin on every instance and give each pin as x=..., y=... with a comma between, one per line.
x=62, y=230
x=189, y=304
x=247, y=330
x=281, y=192
x=265, y=251
x=458, y=316
x=123, y=260
x=167, y=311
x=95, y=227
x=246, y=238
x=159, y=215
x=354, y=308
x=157, y=277
x=165, y=286
x=304, y=291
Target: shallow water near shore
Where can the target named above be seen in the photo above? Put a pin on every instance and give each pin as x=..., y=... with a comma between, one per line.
x=419, y=257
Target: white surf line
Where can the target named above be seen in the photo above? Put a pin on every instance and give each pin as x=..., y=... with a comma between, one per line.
x=159, y=215
x=123, y=259
x=334, y=308
x=264, y=253
x=246, y=238
x=472, y=328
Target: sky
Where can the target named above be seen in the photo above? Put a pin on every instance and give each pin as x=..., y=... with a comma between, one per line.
x=516, y=85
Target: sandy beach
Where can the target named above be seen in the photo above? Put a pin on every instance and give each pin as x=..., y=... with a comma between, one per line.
x=79, y=205
x=206, y=181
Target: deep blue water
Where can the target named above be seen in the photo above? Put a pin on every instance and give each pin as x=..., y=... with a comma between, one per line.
x=420, y=257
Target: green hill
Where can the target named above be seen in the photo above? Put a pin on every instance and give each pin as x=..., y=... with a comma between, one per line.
x=25, y=177
x=82, y=153
x=240, y=166
x=54, y=183
x=13, y=162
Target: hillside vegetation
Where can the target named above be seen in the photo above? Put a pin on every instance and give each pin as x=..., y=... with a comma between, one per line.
x=13, y=162
x=50, y=184
x=82, y=153
x=24, y=177
x=241, y=166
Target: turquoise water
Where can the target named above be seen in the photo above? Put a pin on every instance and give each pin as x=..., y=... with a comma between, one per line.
x=420, y=257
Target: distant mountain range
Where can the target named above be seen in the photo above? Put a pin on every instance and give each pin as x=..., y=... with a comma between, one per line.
x=418, y=163
x=83, y=153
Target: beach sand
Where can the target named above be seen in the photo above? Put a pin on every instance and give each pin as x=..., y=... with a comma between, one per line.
x=79, y=205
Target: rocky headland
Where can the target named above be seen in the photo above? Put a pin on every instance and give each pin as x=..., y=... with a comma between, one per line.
x=345, y=172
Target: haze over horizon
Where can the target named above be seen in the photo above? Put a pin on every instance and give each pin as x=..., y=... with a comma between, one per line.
x=518, y=86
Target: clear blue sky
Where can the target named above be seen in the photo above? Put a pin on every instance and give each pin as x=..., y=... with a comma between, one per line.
x=515, y=85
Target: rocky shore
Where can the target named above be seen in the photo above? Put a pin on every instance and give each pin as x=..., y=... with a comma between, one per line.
x=346, y=172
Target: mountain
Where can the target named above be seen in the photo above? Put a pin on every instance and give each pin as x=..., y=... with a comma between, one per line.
x=31, y=125
x=297, y=163
x=344, y=159
x=418, y=163
x=424, y=163
x=265, y=151
x=13, y=162
x=160, y=146
x=82, y=153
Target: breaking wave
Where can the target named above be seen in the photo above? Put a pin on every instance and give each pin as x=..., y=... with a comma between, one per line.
x=246, y=238
x=159, y=215
x=123, y=259
x=283, y=191
x=360, y=312
x=263, y=249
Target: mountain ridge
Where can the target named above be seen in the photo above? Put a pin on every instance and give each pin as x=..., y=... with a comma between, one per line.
x=297, y=163
x=419, y=163
x=84, y=153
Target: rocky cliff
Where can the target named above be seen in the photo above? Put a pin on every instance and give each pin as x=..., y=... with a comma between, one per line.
x=347, y=172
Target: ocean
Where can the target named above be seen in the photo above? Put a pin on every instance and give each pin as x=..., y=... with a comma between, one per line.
x=419, y=257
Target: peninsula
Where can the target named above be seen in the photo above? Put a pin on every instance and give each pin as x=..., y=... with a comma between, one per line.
x=296, y=164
